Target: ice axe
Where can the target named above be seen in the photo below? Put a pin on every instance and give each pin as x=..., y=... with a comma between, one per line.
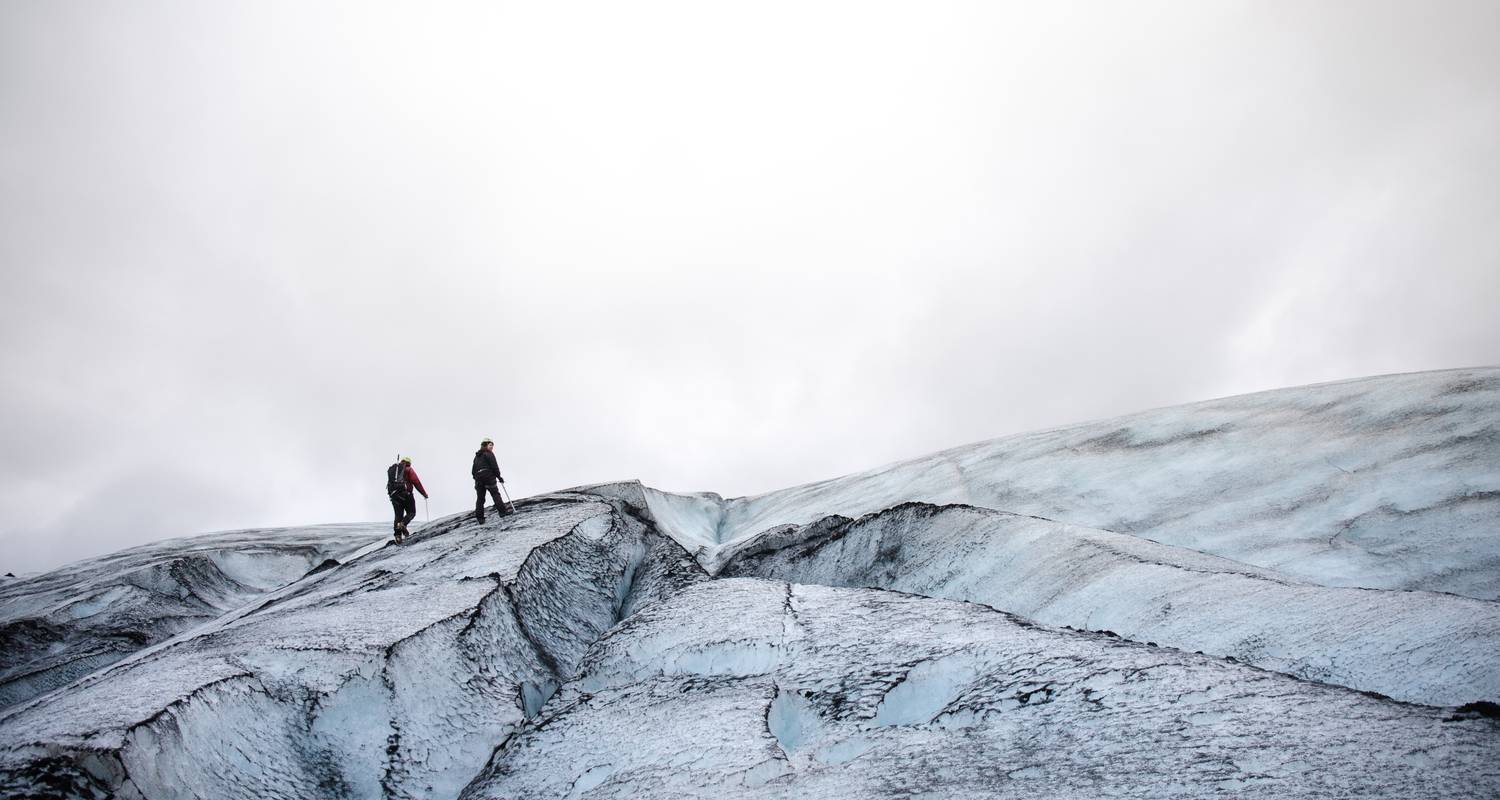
x=509, y=506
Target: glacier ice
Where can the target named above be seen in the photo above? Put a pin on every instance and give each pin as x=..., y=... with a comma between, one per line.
x=60, y=626
x=881, y=694
x=1385, y=483
x=392, y=675
x=1065, y=575
x=1289, y=594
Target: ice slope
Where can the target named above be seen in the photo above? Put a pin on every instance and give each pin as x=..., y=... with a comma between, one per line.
x=778, y=690
x=393, y=674
x=433, y=670
x=60, y=626
x=1389, y=482
x=1424, y=647
x=584, y=647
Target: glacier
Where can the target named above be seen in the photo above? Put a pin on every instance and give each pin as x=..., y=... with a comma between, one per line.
x=1385, y=483
x=61, y=626
x=1288, y=594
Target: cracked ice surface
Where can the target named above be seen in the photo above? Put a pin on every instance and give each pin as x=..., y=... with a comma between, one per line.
x=60, y=626
x=393, y=674
x=1424, y=647
x=576, y=650
x=780, y=690
x=1389, y=482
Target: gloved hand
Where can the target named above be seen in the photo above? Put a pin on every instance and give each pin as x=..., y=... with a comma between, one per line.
x=502, y=480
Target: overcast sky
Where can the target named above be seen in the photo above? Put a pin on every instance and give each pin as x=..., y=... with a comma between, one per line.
x=253, y=250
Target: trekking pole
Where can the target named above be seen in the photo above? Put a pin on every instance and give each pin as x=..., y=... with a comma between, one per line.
x=506, y=494
x=426, y=511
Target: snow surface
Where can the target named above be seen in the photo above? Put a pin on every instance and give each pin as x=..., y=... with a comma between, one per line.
x=1013, y=619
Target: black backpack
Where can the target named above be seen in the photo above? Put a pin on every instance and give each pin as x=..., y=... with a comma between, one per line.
x=395, y=479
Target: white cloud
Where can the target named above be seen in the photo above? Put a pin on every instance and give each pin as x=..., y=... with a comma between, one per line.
x=269, y=245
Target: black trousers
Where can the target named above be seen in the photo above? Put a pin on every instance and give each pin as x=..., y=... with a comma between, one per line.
x=494, y=490
x=405, y=504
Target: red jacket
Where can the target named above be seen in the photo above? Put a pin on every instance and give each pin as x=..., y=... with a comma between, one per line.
x=413, y=480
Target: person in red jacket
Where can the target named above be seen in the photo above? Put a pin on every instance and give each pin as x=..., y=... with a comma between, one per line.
x=400, y=479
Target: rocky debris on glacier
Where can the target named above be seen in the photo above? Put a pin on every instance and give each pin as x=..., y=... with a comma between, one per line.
x=1390, y=482
x=745, y=687
x=67, y=623
x=391, y=675
x=1423, y=647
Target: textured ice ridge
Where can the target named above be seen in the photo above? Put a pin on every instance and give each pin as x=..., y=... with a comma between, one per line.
x=802, y=691
x=1390, y=482
x=880, y=635
x=394, y=674
x=60, y=626
x=1423, y=647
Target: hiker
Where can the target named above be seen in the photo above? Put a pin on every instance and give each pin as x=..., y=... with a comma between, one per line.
x=400, y=478
x=486, y=472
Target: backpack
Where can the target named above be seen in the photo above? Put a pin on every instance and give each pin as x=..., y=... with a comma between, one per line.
x=395, y=479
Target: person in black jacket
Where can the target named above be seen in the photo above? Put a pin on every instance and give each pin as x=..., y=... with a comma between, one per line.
x=486, y=473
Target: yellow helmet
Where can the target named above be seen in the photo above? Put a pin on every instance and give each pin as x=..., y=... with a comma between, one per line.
x=406, y=459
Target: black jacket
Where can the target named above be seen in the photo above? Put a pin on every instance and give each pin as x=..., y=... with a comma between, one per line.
x=486, y=470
